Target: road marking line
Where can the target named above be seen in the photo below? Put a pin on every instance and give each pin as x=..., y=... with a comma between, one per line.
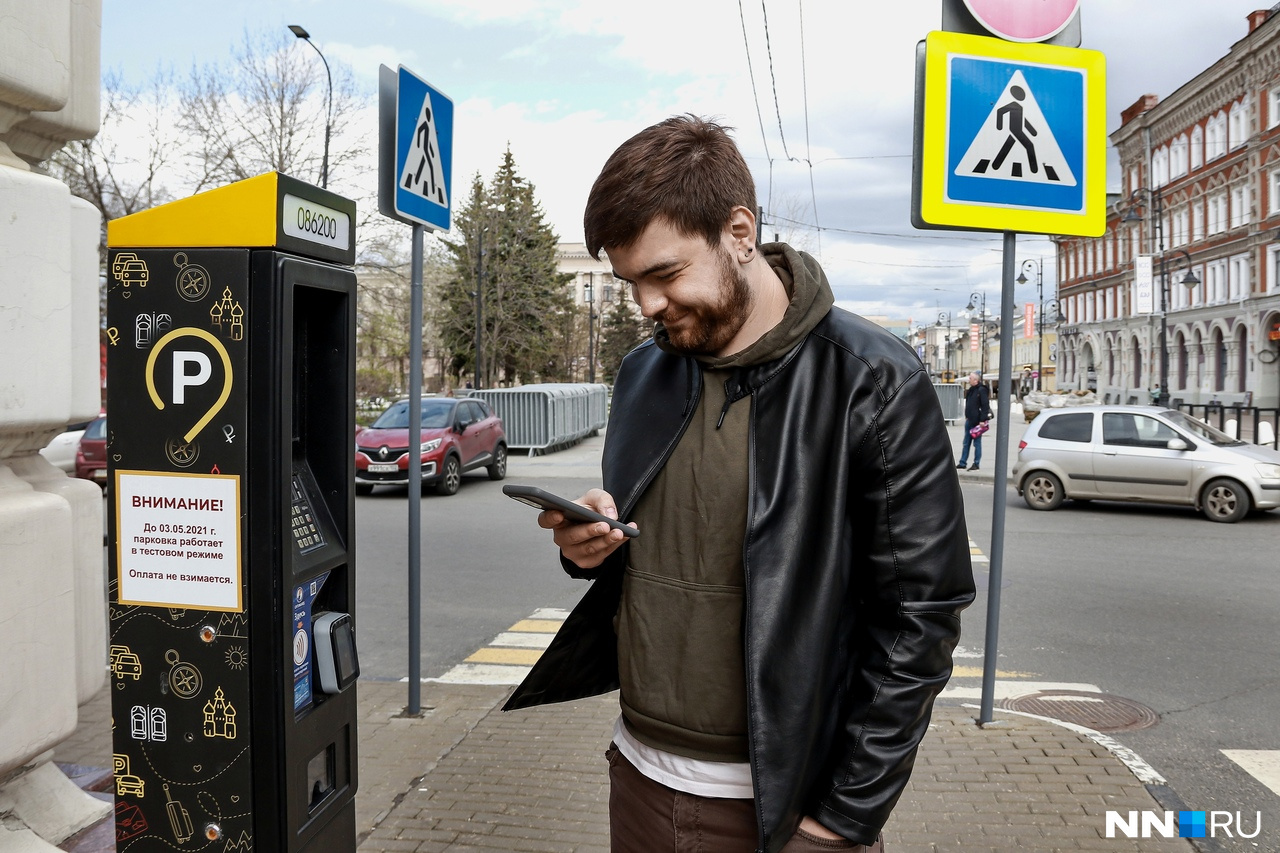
x=977, y=672
x=510, y=655
x=536, y=626
x=470, y=673
x=1012, y=689
x=521, y=657
x=1261, y=764
x=522, y=640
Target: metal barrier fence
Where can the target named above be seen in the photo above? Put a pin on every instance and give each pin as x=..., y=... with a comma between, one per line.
x=1247, y=423
x=549, y=416
x=951, y=398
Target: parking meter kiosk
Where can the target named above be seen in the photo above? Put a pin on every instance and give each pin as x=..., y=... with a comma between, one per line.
x=230, y=404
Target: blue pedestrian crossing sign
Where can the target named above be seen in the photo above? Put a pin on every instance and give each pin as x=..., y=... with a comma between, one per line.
x=1009, y=137
x=416, y=150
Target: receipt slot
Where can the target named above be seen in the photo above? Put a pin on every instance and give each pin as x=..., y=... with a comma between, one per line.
x=231, y=411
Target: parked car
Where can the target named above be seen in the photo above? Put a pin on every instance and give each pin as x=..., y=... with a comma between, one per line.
x=1143, y=453
x=457, y=435
x=61, y=449
x=91, y=455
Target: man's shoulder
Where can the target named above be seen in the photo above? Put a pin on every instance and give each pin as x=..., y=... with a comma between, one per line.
x=866, y=340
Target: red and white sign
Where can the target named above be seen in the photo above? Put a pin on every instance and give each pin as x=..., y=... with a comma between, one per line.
x=973, y=337
x=1029, y=320
x=1024, y=20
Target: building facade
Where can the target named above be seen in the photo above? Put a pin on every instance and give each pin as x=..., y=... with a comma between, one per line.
x=1200, y=197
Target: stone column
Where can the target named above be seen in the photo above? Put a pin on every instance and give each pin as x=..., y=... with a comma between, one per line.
x=53, y=611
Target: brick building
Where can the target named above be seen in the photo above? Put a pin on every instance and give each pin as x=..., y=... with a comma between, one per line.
x=1200, y=189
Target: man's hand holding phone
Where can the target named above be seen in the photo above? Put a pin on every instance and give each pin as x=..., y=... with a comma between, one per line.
x=584, y=537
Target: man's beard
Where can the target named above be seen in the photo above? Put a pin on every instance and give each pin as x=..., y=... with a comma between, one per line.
x=708, y=329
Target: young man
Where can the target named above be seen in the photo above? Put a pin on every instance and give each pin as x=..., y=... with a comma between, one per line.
x=784, y=620
x=977, y=409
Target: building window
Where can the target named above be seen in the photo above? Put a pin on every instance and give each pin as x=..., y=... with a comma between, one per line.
x=1160, y=167
x=1238, y=133
x=1197, y=220
x=1215, y=282
x=1178, y=157
x=1197, y=147
x=1178, y=227
x=1273, y=193
x=1217, y=213
x=1238, y=277
x=1215, y=142
x=1273, y=268
x=1273, y=107
x=1109, y=250
x=1239, y=206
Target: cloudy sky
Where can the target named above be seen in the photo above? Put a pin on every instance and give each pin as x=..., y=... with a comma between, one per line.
x=820, y=93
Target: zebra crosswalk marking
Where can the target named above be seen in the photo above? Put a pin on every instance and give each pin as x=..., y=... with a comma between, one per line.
x=1261, y=764
x=510, y=655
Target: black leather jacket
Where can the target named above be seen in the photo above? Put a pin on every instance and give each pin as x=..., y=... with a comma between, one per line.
x=856, y=558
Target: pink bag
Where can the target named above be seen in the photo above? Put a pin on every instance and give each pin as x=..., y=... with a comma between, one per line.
x=979, y=429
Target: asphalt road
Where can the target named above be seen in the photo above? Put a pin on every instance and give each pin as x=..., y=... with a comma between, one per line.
x=1154, y=604
x=485, y=565
x=1160, y=606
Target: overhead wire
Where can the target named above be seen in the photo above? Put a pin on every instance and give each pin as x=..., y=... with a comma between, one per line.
x=808, y=151
x=755, y=97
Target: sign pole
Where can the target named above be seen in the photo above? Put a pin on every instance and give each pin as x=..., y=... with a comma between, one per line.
x=415, y=475
x=1000, y=499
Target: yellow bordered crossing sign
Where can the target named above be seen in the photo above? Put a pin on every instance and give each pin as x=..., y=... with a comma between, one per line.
x=1009, y=137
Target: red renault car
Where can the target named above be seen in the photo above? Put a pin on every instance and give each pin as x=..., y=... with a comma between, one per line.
x=457, y=435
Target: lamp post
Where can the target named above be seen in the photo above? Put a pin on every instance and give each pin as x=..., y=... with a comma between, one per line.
x=946, y=316
x=1140, y=198
x=328, y=115
x=479, y=305
x=978, y=301
x=1038, y=265
x=589, y=292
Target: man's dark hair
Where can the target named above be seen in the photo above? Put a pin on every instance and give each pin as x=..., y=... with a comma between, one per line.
x=686, y=170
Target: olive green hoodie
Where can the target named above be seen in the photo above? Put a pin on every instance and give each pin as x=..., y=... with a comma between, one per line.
x=680, y=652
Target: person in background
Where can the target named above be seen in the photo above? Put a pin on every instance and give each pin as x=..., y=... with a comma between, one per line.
x=783, y=622
x=977, y=410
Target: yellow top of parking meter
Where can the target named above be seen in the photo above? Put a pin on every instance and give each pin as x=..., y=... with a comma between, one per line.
x=271, y=210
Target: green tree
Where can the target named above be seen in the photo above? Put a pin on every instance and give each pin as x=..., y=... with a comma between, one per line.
x=504, y=242
x=622, y=331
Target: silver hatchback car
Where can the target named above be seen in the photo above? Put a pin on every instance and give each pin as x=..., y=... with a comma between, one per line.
x=1143, y=453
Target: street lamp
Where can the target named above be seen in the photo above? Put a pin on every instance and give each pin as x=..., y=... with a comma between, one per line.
x=946, y=316
x=589, y=292
x=1190, y=280
x=1038, y=265
x=978, y=301
x=328, y=115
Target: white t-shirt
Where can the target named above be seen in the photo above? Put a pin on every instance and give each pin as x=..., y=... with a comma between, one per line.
x=724, y=779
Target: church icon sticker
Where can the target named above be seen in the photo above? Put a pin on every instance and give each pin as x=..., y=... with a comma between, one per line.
x=1013, y=137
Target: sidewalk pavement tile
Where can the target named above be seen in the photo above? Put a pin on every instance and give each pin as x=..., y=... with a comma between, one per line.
x=467, y=777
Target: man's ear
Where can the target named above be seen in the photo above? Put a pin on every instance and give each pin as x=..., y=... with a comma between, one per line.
x=740, y=229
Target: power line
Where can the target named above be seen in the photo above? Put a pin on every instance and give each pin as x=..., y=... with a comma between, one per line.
x=808, y=151
x=755, y=97
x=768, y=47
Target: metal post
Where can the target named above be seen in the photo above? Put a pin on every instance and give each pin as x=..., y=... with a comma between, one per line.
x=591, y=328
x=1001, y=492
x=415, y=474
x=479, y=308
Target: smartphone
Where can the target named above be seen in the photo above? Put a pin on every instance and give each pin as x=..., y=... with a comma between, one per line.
x=541, y=499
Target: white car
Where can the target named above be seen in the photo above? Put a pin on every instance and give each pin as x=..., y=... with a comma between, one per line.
x=61, y=451
x=1143, y=453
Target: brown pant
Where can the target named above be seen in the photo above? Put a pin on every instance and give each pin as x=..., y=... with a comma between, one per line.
x=648, y=817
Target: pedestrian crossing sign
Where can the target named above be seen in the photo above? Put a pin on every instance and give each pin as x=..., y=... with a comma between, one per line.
x=1009, y=137
x=415, y=150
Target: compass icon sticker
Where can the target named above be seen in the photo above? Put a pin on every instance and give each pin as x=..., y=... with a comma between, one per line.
x=192, y=281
